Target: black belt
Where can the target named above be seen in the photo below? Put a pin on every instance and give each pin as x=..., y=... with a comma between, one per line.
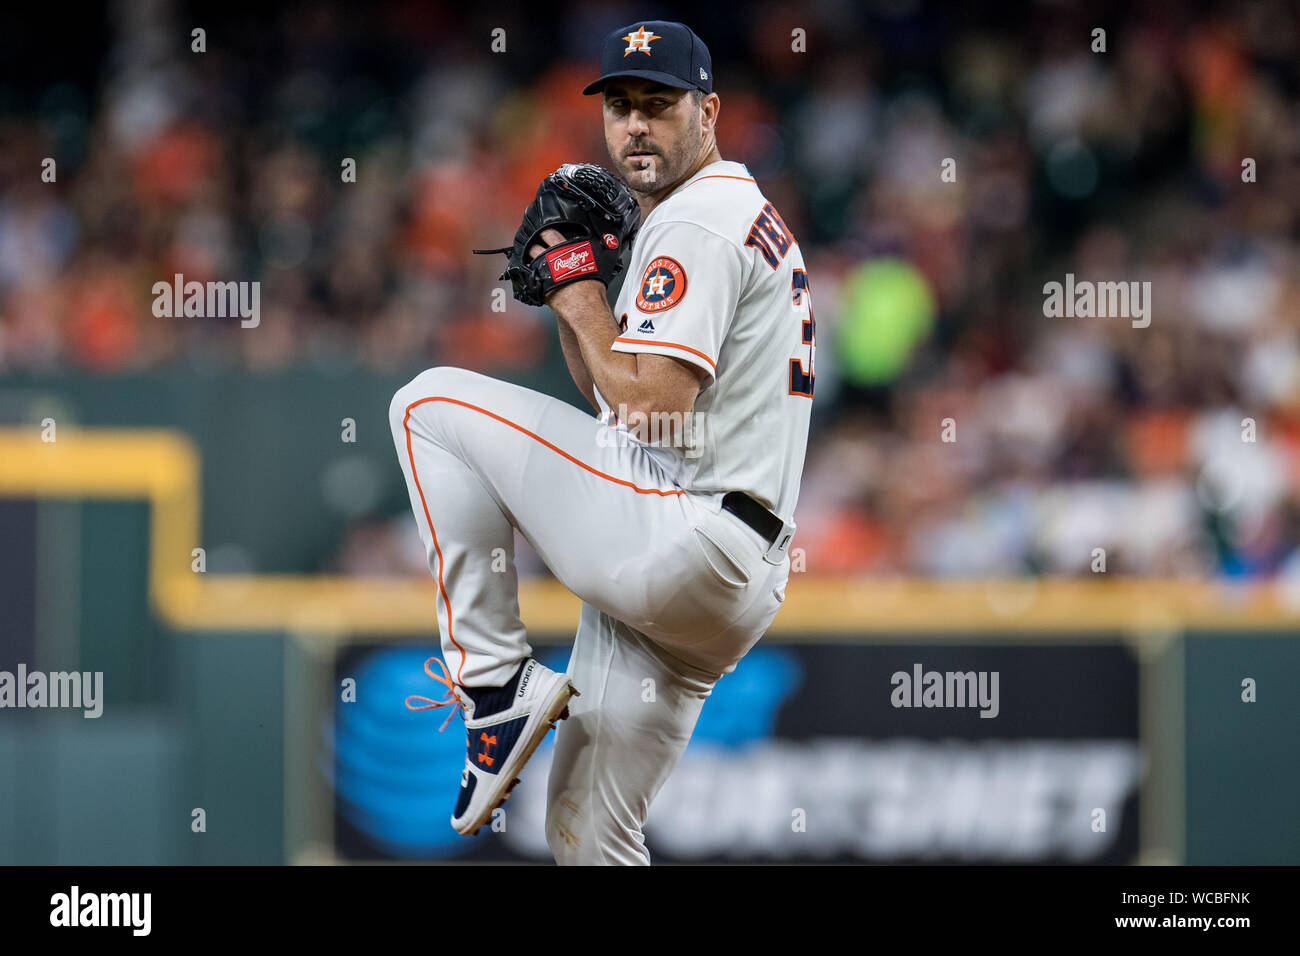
x=753, y=514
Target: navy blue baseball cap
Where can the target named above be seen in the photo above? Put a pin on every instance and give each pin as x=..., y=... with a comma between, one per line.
x=660, y=50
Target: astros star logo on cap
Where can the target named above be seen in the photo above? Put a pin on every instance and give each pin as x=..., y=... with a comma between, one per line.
x=640, y=40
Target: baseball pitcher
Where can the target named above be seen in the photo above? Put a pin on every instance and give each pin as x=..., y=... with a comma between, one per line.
x=669, y=512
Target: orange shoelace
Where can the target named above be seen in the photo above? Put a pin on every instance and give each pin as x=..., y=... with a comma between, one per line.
x=429, y=702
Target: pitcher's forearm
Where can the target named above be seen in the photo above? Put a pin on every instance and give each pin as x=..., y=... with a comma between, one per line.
x=587, y=315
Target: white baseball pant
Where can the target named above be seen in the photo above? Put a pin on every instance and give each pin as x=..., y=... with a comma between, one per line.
x=674, y=589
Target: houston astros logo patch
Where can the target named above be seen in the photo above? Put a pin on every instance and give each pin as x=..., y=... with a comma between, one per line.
x=662, y=286
x=639, y=41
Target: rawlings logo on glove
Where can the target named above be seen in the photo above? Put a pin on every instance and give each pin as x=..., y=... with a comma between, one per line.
x=566, y=262
x=595, y=212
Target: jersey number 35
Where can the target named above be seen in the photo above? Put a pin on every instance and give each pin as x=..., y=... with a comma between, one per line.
x=802, y=379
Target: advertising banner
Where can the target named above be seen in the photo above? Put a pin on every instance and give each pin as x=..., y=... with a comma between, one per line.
x=827, y=752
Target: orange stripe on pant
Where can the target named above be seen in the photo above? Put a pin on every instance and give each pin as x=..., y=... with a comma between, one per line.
x=519, y=428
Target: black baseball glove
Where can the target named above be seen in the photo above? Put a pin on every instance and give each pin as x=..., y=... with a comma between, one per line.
x=596, y=214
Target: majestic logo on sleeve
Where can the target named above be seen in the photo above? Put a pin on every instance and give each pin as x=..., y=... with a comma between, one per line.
x=639, y=41
x=662, y=286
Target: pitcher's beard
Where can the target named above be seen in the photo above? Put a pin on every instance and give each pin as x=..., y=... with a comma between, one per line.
x=657, y=171
x=643, y=177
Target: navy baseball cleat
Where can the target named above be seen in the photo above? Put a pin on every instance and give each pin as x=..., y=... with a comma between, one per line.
x=503, y=725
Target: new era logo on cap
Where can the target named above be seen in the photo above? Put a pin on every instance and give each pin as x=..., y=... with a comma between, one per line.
x=660, y=50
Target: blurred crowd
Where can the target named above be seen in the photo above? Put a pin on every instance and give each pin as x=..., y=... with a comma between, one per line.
x=937, y=167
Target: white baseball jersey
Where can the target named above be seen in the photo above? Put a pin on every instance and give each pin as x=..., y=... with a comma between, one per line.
x=716, y=279
x=674, y=589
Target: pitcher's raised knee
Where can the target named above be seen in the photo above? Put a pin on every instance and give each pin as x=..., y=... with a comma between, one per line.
x=441, y=381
